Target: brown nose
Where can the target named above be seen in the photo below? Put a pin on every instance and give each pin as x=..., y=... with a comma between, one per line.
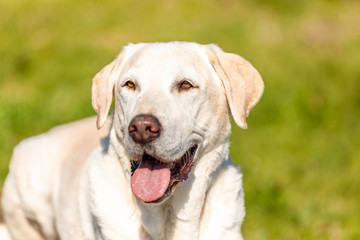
x=144, y=128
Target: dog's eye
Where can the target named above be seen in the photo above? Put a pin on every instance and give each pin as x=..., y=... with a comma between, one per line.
x=185, y=85
x=130, y=84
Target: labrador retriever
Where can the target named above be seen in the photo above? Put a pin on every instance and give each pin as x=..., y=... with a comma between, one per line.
x=161, y=172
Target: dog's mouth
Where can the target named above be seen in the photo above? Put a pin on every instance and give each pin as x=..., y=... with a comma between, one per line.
x=153, y=180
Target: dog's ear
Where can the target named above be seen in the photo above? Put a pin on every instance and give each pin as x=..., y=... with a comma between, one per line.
x=103, y=88
x=242, y=82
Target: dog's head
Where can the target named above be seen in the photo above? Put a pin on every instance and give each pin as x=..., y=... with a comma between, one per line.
x=173, y=102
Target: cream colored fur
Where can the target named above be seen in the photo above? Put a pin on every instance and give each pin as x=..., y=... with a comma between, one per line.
x=69, y=184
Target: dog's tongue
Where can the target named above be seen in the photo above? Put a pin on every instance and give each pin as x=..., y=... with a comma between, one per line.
x=150, y=180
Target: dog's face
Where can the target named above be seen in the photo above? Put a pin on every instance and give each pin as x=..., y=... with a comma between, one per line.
x=172, y=104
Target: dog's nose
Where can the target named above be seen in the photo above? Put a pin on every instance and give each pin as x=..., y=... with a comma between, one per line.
x=144, y=128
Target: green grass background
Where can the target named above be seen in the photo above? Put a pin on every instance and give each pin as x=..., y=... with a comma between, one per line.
x=301, y=152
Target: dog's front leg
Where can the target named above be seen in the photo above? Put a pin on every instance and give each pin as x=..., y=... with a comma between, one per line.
x=224, y=210
x=186, y=208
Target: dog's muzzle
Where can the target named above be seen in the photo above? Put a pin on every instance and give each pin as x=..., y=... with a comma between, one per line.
x=153, y=179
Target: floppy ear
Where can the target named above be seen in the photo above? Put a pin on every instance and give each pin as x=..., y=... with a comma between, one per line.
x=242, y=82
x=103, y=87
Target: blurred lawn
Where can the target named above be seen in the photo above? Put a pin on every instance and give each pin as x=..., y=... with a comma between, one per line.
x=300, y=155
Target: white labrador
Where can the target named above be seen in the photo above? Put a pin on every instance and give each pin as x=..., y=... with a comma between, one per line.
x=163, y=172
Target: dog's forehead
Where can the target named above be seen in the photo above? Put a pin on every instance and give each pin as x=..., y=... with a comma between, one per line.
x=163, y=61
x=165, y=52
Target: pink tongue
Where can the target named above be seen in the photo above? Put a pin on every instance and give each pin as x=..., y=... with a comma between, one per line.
x=150, y=181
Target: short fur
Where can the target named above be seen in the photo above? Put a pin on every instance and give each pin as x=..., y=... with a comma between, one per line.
x=64, y=185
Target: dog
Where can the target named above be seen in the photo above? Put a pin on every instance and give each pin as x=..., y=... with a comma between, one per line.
x=162, y=171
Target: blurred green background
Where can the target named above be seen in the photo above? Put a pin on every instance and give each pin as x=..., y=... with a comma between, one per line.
x=301, y=152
